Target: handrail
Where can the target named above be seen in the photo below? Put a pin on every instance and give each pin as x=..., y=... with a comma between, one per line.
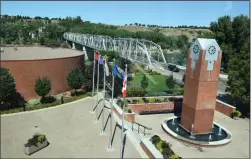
x=141, y=126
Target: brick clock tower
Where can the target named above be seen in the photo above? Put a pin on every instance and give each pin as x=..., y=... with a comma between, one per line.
x=201, y=83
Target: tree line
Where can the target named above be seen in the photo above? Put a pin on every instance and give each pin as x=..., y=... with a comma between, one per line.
x=19, y=30
x=159, y=26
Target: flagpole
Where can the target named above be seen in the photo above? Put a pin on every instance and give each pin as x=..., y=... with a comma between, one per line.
x=123, y=118
x=93, y=85
x=110, y=137
x=97, y=94
x=102, y=129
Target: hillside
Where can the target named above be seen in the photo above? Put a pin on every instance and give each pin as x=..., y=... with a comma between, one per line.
x=189, y=32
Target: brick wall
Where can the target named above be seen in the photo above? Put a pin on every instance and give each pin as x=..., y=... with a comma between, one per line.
x=224, y=108
x=128, y=117
x=25, y=73
x=137, y=108
x=149, y=154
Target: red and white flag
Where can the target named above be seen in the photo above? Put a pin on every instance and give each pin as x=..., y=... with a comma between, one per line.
x=124, y=86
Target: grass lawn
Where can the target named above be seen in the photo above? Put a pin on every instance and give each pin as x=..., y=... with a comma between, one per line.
x=157, y=85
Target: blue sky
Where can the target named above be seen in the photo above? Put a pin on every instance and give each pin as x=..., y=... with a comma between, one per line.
x=126, y=12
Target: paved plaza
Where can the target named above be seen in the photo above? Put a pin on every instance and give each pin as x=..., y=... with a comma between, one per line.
x=70, y=129
x=237, y=148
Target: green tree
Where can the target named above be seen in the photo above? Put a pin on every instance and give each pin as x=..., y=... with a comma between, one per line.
x=75, y=79
x=170, y=82
x=7, y=86
x=239, y=74
x=88, y=75
x=144, y=82
x=42, y=87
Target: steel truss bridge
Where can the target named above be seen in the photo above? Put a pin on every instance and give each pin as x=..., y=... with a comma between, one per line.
x=135, y=50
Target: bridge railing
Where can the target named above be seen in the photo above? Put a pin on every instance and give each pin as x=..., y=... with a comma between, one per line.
x=127, y=47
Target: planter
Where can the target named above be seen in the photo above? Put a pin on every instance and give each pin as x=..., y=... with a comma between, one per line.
x=152, y=108
x=150, y=149
x=128, y=116
x=28, y=150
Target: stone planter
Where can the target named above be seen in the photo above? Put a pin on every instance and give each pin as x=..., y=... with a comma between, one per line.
x=28, y=150
x=128, y=116
x=152, y=108
x=150, y=149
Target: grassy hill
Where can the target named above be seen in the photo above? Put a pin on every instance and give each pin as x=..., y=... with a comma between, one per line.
x=189, y=32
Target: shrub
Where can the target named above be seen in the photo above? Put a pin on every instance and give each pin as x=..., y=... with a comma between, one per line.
x=35, y=139
x=174, y=156
x=170, y=82
x=140, y=101
x=151, y=100
x=128, y=110
x=159, y=100
x=49, y=99
x=167, y=152
x=166, y=100
x=236, y=113
x=7, y=86
x=136, y=92
x=42, y=87
x=34, y=101
x=159, y=146
x=144, y=82
x=155, y=139
x=75, y=79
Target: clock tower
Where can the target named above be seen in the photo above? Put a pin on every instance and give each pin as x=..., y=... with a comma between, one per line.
x=201, y=83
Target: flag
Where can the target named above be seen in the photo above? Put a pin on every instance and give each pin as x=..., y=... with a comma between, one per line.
x=124, y=87
x=106, y=69
x=96, y=56
x=117, y=71
x=100, y=60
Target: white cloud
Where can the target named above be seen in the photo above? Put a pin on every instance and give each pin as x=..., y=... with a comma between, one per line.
x=228, y=7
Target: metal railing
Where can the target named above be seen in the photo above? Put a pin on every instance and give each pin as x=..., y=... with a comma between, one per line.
x=138, y=126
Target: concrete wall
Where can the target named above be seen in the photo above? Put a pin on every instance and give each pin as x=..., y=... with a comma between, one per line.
x=224, y=108
x=137, y=108
x=25, y=73
x=129, y=117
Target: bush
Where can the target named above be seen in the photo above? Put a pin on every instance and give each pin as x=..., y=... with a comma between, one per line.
x=35, y=139
x=236, y=113
x=140, y=101
x=159, y=100
x=42, y=87
x=170, y=82
x=174, y=156
x=144, y=82
x=128, y=110
x=49, y=99
x=7, y=86
x=166, y=100
x=34, y=101
x=155, y=139
x=151, y=100
x=75, y=79
x=159, y=146
x=136, y=92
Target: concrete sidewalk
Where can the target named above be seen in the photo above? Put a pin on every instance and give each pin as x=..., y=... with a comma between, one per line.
x=237, y=148
x=70, y=129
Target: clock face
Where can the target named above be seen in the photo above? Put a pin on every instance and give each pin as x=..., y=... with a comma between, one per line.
x=196, y=49
x=211, y=50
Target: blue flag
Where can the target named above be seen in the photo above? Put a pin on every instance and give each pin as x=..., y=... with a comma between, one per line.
x=100, y=60
x=117, y=71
